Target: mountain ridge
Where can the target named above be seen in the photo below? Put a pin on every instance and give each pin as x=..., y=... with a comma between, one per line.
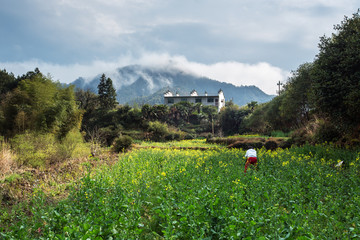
x=137, y=84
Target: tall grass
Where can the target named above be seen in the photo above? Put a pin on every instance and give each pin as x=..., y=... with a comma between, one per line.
x=279, y=134
x=7, y=158
x=42, y=150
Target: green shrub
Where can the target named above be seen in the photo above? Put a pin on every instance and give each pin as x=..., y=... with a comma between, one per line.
x=122, y=143
x=72, y=146
x=108, y=135
x=158, y=131
x=41, y=150
x=271, y=145
x=326, y=132
x=190, y=136
x=34, y=150
x=12, y=178
x=278, y=134
x=174, y=135
x=300, y=137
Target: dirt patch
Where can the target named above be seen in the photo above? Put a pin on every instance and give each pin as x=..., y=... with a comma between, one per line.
x=179, y=148
x=257, y=142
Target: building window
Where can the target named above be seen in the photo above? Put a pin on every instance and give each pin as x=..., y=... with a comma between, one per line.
x=216, y=100
x=210, y=100
x=197, y=100
x=170, y=100
x=184, y=100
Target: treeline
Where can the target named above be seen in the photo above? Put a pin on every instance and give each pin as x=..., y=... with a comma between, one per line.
x=321, y=100
x=147, y=122
x=35, y=103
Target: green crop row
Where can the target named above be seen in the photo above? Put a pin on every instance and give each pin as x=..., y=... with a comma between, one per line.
x=297, y=193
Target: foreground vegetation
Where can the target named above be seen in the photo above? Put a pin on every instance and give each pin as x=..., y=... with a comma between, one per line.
x=297, y=193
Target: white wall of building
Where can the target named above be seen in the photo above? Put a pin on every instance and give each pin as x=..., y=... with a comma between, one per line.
x=206, y=100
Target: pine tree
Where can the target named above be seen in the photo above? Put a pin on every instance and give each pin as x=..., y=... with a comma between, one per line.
x=107, y=93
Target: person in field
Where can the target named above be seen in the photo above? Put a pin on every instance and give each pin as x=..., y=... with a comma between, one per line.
x=251, y=158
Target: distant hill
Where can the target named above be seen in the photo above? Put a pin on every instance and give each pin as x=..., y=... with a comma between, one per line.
x=140, y=85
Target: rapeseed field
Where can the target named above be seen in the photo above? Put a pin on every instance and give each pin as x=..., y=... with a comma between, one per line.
x=297, y=193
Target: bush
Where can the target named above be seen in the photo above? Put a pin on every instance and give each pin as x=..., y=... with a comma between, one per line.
x=34, y=150
x=122, y=143
x=278, y=134
x=174, y=134
x=41, y=150
x=326, y=132
x=158, y=130
x=286, y=144
x=271, y=145
x=246, y=144
x=300, y=137
x=73, y=146
x=190, y=136
x=108, y=134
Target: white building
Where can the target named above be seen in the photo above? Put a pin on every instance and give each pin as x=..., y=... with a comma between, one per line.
x=217, y=100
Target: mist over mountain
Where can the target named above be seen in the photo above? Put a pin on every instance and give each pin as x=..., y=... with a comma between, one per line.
x=137, y=84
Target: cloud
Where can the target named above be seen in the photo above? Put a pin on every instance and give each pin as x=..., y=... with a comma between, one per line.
x=262, y=75
x=283, y=33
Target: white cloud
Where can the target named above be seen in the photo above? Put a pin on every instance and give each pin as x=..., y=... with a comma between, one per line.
x=284, y=33
x=262, y=75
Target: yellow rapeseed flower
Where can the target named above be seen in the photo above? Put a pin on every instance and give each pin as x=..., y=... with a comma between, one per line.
x=163, y=174
x=285, y=163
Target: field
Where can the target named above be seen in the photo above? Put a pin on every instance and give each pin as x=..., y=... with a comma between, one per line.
x=156, y=193
x=195, y=143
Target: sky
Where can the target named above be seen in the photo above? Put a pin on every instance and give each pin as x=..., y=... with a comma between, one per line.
x=243, y=42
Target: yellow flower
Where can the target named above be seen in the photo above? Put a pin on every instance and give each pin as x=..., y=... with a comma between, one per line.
x=163, y=174
x=285, y=163
x=237, y=181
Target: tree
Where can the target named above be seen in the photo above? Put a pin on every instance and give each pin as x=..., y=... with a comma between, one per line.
x=156, y=112
x=337, y=72
x=7, y=82
x=107, y=93
x=180, y=112
x=39, y=104
x=256, y=122
x=231, y=118
x=252, y=105
x=296, y=103
x=211, y=115
x=87, y=100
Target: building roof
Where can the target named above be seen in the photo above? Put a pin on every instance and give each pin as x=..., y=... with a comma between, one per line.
x=189, y=96
x=193, y=93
